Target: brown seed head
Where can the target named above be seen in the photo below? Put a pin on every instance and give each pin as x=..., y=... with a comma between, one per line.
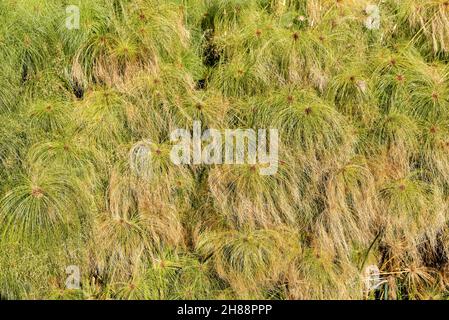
x=37, y=192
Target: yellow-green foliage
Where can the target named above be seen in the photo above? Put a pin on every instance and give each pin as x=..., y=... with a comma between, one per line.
x=86, y=177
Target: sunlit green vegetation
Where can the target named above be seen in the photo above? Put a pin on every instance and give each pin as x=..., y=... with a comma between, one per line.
x=363, y=179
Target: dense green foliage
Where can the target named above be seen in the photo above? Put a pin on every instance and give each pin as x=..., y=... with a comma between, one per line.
x=363, y=116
